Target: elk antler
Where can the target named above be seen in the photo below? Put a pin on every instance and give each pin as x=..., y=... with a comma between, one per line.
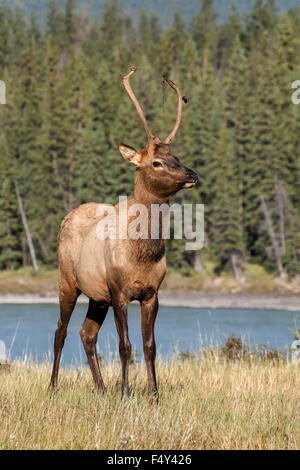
x=179, y=110
x=125, y=81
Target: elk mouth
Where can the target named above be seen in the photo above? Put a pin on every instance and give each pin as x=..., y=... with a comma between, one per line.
x=190, y=184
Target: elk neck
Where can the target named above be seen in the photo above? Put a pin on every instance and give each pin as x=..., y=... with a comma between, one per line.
x=143, y=194
x=148, y=250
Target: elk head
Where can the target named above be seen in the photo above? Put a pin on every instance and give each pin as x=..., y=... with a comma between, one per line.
x=161, y=173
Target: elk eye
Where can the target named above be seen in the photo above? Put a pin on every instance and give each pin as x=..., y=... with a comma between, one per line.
x=156, y=164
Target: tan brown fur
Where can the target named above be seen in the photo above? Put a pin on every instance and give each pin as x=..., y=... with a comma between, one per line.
x=113, y=272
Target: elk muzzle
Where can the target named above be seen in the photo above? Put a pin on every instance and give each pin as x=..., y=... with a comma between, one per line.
x=191, y=179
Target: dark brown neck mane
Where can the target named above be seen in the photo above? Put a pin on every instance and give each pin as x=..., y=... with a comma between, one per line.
x=146, y=250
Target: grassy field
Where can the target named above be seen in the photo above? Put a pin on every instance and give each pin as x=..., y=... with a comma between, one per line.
x=256, y=281
x=211, y=403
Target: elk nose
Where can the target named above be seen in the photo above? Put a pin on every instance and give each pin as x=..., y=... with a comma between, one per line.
x=193, y=176
x=196, y=179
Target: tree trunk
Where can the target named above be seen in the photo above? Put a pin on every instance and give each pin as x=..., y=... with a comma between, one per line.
x=280, y=204
x=236, y=263
x=27, y=231
x=44, y=248
x=198, y=266
x=276, y=248
x=24, y=252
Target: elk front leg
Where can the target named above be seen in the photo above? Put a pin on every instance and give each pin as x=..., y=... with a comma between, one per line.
x=120, y=313
x=149, y=310
x=89, y=332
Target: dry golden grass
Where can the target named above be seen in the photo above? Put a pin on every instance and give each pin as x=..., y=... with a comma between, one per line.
x=204, y=404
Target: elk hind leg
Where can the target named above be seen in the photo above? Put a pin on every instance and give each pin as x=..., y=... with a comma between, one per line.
x=120, y=314
x=89, y=332
x=67, y=301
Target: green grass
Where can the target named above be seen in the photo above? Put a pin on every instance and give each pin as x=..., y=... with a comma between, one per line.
x=211, y=403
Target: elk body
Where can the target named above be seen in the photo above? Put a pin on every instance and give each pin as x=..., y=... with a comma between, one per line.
x=113, y=272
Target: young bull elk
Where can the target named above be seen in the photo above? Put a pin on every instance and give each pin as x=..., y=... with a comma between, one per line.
x=113, y=272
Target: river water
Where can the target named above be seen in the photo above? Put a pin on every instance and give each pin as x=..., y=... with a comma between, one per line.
x=28, y=330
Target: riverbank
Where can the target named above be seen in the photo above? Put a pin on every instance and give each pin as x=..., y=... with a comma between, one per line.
x=191, y=299
x=258, y=291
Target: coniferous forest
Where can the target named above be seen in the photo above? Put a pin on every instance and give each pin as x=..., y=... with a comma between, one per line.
x=66, y=111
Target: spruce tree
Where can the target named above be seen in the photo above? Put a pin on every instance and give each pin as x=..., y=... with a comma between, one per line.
x=10, y=229
x=204, y=26
x=226, y=227
x=70, y=28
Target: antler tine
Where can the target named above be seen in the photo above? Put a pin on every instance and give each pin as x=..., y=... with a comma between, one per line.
x=125, y=81
x=179, y=110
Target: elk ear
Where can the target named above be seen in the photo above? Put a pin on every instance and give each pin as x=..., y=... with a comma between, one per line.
x=129, y=154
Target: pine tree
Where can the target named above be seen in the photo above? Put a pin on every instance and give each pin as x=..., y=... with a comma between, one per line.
x=10, y=252
x=22, y=123
x=163, y=57
x=264, y=164
x=239, y=123
x=111, y=28
x=204, y=26
x=228, y=33
x=227, y=228
x=4, y=37
x=50, y=151
x=52, y=18
x=144, y=33
x=287, y=174
x=176, y=36
x=70, y=21
x=34, y=30
x=261, y=21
